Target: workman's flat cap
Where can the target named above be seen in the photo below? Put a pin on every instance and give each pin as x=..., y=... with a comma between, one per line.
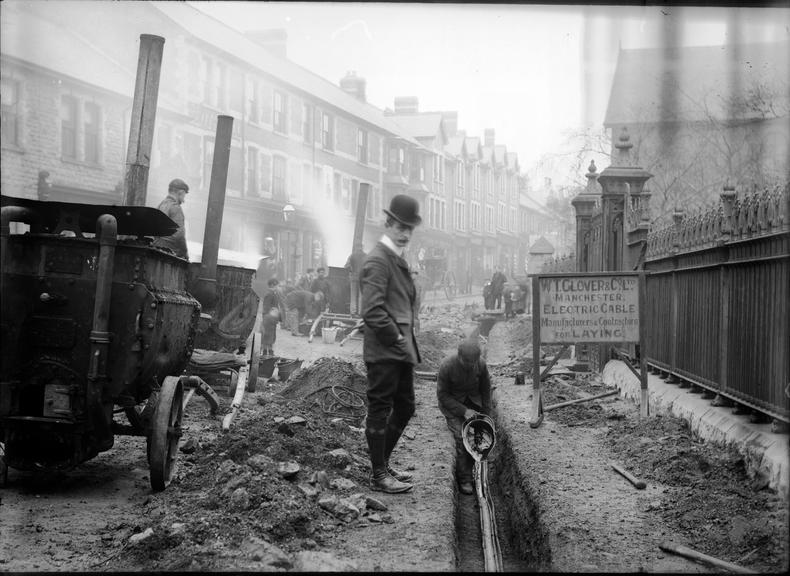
x=178, y=184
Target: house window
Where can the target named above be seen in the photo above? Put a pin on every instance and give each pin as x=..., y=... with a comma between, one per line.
x=328, y=132
x=9, y=122
x=236, y=169
x=266, y=175
x=92, y=131
x=362, y=146
x=253, y=106
x=219, y=86
x=280, y=123
x=307, y=119
x=278, y=178
x=208, y=159
x=193, y=74
x=252, y=171
x=68, y=127
x=295, y=111
x=192, y=156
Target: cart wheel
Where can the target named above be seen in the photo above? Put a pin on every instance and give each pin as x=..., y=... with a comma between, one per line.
x=450, y=287
x=255, y=358
x=165, y=433
x=3, y=467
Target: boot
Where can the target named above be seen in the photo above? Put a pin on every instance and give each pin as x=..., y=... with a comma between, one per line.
x=391, y=439
x=381, y=481
x=398, y=474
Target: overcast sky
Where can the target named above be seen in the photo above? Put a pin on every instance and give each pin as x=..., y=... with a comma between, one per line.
x=519, y=69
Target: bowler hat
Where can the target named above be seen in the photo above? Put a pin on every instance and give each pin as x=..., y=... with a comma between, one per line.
x=178, y=184
x=404, y=209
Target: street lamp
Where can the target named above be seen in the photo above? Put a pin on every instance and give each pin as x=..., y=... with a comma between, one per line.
x=287, y=211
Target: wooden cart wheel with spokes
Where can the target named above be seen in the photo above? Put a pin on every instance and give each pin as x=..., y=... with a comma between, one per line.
x=255, y=358
x=165, y=433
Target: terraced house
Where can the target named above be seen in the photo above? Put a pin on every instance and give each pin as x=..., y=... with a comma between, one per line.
x=299, y=141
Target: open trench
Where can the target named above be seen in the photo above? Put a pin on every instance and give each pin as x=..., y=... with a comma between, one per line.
x=523, y=544
x=522, y=540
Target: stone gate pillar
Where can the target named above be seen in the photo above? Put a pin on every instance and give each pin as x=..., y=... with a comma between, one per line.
x=622, y=187
x=584, y=205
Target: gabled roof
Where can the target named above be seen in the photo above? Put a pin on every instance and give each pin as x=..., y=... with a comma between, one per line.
x=511, y=159
x=541, y=246
x=701, y=75
x=456, y=146
x=473, y=148
x=421, y=125
x=488, y=154
x=500, y=150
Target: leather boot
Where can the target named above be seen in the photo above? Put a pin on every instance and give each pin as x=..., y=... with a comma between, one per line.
x=394, y=433
x=381, y=481
x=398, y=474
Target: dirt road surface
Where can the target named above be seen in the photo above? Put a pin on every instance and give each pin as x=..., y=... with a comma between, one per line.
x=286, y=488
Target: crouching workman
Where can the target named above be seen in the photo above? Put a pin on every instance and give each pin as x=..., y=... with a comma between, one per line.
x=464, y=389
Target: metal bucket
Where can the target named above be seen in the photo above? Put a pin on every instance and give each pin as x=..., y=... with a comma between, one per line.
x=286, y=367
x=266, y=366
x=479, y=436
x=330, y=335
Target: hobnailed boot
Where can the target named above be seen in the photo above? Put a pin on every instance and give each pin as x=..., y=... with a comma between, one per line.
x=398, y=474
x=380, y=478
x=381, y=481
x=392, y=436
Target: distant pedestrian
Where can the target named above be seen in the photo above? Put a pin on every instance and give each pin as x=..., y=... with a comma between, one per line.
x=506, y=293
x=488, y=297
x=269, y=336
x=497, y=286
x=389, y=308
x=273, y=311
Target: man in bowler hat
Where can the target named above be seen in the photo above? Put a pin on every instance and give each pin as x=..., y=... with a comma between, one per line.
x=389, y=310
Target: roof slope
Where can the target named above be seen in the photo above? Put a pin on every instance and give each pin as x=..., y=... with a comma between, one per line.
x=420, y=125
x=541, y=246
x=43, y=43
x=698, y=78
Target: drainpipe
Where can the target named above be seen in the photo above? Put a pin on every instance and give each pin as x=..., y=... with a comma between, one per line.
x=141, y=132
x=107, y=234
x=206, y=285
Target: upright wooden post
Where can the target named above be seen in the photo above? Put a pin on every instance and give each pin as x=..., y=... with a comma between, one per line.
x=537, y=395
x=644, y=410
x=141, y=131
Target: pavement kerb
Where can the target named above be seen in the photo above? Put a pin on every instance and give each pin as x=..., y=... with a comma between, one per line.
x=765, y=452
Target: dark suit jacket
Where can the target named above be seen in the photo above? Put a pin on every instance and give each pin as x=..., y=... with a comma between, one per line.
x=457, y=386
x=388, y=307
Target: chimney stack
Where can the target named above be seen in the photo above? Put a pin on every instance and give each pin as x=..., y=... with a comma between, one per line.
x=275, y=40
x=450, y=123
x=406, y=105
x=354, y=85
x=489, y=137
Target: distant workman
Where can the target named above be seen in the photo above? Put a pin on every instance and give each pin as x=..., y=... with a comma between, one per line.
x=171, y=206
x=463, y=388
x=497, y=287
x=321, y=284
x=301, y=304
x=389, y=308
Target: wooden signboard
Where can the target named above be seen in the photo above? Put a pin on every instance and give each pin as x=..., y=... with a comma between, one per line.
x=586, y=307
